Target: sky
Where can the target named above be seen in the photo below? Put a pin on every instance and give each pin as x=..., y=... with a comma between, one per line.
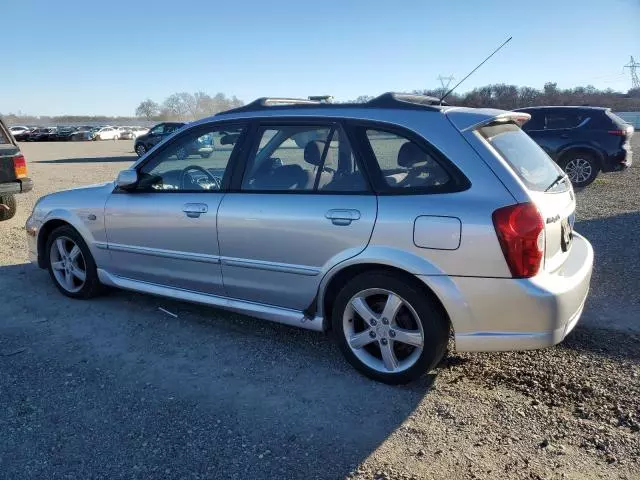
x=79, y=57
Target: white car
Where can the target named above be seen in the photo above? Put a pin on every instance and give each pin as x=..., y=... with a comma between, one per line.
x=16, y=130
x=137, y=131
x=107, y=133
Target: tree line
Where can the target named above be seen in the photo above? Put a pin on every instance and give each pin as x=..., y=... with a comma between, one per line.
x=508, y=97
x=186, y=106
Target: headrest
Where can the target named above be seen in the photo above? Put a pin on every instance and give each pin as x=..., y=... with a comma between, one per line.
x=410, y=155
x=313, y=152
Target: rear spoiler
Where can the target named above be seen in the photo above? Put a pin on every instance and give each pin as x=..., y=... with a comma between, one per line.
x=468, y=119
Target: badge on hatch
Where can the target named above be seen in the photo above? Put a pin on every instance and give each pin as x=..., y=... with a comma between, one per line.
x=566, y=231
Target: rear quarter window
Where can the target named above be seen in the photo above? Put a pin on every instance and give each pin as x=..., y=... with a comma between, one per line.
x=4, y=137
x=534, y=167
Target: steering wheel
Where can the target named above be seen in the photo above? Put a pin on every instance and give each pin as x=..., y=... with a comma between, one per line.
x=183, y=176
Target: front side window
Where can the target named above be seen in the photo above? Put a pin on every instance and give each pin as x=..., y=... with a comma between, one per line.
x=193, y=162
x=403, y=163
x=301, y=158
x=157, y=130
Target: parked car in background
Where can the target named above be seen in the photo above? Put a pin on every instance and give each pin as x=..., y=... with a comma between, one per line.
x=156, y=134
x=582, y=140
x=64, y=133
x=18, y=129
x=22, y=135
x=42, y=134
x=13, y=173
x=126, y=133
x=83, y=133
x=393, y=224
x=137, y=131
x=106, y=133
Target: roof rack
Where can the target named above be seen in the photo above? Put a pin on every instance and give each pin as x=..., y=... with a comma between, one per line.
x=386, y=100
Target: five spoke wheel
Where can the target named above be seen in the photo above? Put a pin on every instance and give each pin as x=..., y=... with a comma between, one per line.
x=383, y=330
x=68, y=264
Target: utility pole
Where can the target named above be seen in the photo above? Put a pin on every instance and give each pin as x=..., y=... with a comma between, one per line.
x=445, y=87
x=633, y=66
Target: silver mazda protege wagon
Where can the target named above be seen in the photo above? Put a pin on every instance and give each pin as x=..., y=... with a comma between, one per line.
x=390, y=223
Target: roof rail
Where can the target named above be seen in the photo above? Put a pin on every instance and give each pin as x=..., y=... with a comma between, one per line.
x=391, y=99
x=386, y=100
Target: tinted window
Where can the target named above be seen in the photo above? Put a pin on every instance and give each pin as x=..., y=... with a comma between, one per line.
x=535, y=123
x=534, y=167
x=403, y=163
x=158, y=130
x=566, y=119
x=297, y=158
x=3, y=137
x=192, y=162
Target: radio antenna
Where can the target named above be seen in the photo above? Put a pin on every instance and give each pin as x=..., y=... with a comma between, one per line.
x=472, y=71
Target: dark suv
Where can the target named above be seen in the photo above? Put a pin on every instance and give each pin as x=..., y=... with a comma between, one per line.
x=13, y=173
x=582, y=140
x=158, y=133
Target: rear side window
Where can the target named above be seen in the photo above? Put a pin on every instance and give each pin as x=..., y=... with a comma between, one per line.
x=568, y=119
x=534, y=167
x=403, y=163
x=4, y=138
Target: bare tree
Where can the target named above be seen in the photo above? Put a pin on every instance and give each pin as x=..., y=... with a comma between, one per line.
x=147, y=109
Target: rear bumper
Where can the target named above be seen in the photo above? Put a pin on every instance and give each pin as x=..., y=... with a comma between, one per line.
x=621, y=161
x=18, y=186
x=500, y=314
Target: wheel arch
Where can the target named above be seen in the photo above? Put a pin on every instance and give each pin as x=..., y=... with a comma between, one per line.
x=338, y=278
x=58, y=219
x=580, y=147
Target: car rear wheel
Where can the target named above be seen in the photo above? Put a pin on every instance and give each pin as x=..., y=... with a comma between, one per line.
x=140, y=149
x=388, y=329
x=8, y=207
x=582, y=168
x=71, y=264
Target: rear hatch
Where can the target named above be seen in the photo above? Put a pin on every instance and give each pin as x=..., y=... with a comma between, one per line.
x=547, y=186
x=621, y=128
x=8, y=151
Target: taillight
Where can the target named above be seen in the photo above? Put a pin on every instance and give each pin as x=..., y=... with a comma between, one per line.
x=520, y=230
x=619, y=133
x=20, y=166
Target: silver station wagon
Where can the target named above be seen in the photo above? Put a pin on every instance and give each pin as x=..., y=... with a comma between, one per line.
x=393, y=224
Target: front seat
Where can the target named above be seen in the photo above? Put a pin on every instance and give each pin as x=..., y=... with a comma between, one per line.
x=313, y=156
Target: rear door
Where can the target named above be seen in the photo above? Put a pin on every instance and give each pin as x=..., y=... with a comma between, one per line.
x=301, y=206
x=547, y=186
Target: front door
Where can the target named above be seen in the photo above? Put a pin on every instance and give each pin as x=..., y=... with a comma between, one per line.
x=303, y=205
x=163, y=231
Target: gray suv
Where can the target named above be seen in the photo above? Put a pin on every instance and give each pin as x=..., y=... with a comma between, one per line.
x=392, y=223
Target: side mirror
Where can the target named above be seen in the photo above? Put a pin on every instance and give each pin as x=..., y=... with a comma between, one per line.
x=127, y=179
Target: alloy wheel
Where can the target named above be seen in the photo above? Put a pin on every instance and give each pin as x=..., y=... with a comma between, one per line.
x=383, y=330
x=579, y=170
x=140, y=150
x=68, y=264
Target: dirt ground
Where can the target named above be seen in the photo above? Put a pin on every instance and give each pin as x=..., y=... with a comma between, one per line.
x=114, y=388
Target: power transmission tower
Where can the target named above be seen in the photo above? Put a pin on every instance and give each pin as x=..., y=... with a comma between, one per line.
x=445, y=87
x=633, y=66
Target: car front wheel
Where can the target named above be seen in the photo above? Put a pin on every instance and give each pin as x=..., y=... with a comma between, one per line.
x=388, y=328
x=71, y=264
x=582, y=168
x=140, y=150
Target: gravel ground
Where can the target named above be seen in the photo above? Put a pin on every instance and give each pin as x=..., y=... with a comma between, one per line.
x=114, y=388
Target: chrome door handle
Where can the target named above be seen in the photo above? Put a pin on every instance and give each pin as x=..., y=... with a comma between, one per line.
x=342, y=216
x=194, y=210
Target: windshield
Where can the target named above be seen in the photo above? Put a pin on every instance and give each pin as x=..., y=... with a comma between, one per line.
x=534, y=167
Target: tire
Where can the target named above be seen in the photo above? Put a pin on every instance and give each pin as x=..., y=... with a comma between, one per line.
x=78, y=288
x=582, y=168
x=9, y=201
x=96, y=138
x=418, y=318
x=140, y=149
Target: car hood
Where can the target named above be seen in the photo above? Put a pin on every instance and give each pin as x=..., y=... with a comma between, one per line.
x=142, y=137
